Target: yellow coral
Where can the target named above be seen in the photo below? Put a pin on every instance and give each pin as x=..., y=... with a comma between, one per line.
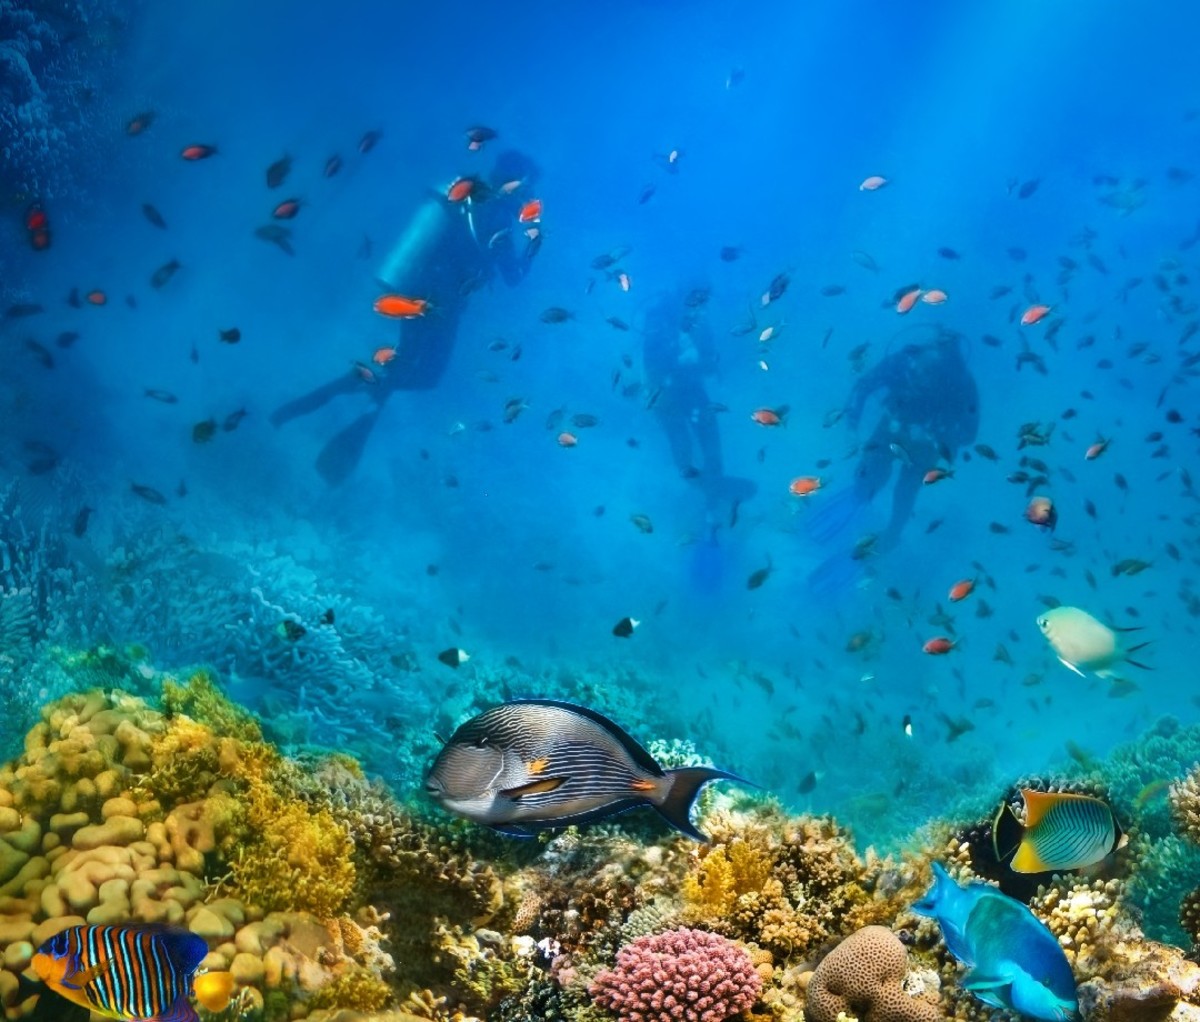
x=357, y=990
x=295, y=857
x=201, y=699
x=725, y=874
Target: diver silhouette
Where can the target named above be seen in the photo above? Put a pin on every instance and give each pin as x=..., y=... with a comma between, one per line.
x=928, y=410
x=448, y=251
x=678, y=354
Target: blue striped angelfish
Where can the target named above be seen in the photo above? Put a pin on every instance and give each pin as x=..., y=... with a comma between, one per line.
x=132, y=972
x=531, y=764
x=1061, y=831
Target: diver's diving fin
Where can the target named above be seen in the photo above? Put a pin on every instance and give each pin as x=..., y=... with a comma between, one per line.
x=834, y=516
x=340, y=457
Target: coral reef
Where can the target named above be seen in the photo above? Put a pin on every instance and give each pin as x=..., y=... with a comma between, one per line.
x=864, y=976
x=117, y=812
x=679, y=976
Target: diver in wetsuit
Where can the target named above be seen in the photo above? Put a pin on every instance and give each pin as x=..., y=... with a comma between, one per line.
x=678, y=354
x=448, y=251
x=928, y=410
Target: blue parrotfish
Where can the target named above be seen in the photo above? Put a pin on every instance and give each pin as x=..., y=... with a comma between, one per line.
x=1014, y=960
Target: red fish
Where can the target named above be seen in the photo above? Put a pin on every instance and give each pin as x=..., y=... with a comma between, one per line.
x=461, y=189
x=962, y=589
x=1097, y=449
x=198, y=152
x=400, y=307
x=531, y=212
x=1034, y=314
x=37, y=227
x=769, y=416
x=365, y=373
x=872, y=183
x=936, y=475
x=286, y=209
x=1041, y=511
x=96, y=297
x=332, y=165
x=908, y=300
x=383, y=356
x=934, y=296
x=802, y=486
x=567, y=440
x=938, y=645
x=139, y=122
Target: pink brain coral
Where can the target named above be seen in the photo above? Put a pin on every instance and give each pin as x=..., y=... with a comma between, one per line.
x=678, y=976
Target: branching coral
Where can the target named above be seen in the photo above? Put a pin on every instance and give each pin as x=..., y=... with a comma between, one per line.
x=787, y=884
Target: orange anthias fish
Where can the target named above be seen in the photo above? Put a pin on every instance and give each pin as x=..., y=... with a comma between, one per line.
x=461, y=189
x=400, y=307
x=934, y=296
x=908, y=300
x=1097, y=449
x=382, y=356
x=802, y=486
x=938, y=645
x=567, y=440
x=286, y=209
x=132, y=971
x=96, y=297
x=770, y=416
x=139, y=122
x=531, y=212
x=936, y=475
x=198, y=152
x=872, y=183
x=1034, y=314
x=1041, y=511
x=962, y=589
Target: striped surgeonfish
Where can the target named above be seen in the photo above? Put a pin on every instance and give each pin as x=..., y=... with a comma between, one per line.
x=530, y=764
x=1061, y=831
x=132, y=972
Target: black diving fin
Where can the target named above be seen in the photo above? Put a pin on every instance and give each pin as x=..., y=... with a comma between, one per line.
x=340, y=457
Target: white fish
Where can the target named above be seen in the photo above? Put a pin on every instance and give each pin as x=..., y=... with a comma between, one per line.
x=1083, y=644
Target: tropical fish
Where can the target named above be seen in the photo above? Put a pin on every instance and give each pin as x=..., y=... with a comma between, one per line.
x=198, y=152
x=453, y=657
x=153, y=215
x=961, y=590
x=164, y=273
x=1041, y=511
x=132, y=971
x=276, y=235
x=1061, y=831
x=400, y=307
x=624, y=628
x=148, y=493
x=1085, y=645
x=369, y=141
x=230, y=336
x=278, y=171
x=803, y=486
x=477, y=135
x=287, y=209
x=530, y=764
x=139, y=122
x=1015, y=961
x=556, y=314
x=204, y=431
x=872, y=183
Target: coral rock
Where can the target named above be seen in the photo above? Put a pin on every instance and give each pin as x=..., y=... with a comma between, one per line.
x=863, y=976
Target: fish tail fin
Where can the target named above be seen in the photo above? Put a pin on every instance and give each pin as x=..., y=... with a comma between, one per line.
x=1007, y=832
x=214, y=990
x=680, y=790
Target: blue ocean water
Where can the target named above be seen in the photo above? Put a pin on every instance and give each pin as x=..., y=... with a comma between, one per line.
x=1048, y=148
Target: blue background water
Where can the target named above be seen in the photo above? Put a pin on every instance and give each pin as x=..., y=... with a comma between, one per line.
x=952, y=102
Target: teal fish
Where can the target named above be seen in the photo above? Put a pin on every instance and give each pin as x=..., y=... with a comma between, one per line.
x=1061, y=831
x=1015, y=961
x=531, y=764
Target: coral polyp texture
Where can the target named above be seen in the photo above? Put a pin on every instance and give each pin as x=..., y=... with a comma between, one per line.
x=682, y=975
x=864, y=977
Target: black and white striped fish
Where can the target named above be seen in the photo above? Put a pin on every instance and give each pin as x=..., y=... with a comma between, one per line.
x=531, y=764
x=1062, y=831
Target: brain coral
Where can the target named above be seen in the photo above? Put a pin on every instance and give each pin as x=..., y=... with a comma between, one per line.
x=863, y=977
x=685, y=975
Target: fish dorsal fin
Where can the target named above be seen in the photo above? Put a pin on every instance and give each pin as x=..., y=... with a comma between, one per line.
x=1039, y=803
x=539, y=787
x=639, y=755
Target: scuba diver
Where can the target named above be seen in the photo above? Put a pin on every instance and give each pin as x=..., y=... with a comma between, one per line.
x=449, y=250
x=678, y=353
x=928, y=410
